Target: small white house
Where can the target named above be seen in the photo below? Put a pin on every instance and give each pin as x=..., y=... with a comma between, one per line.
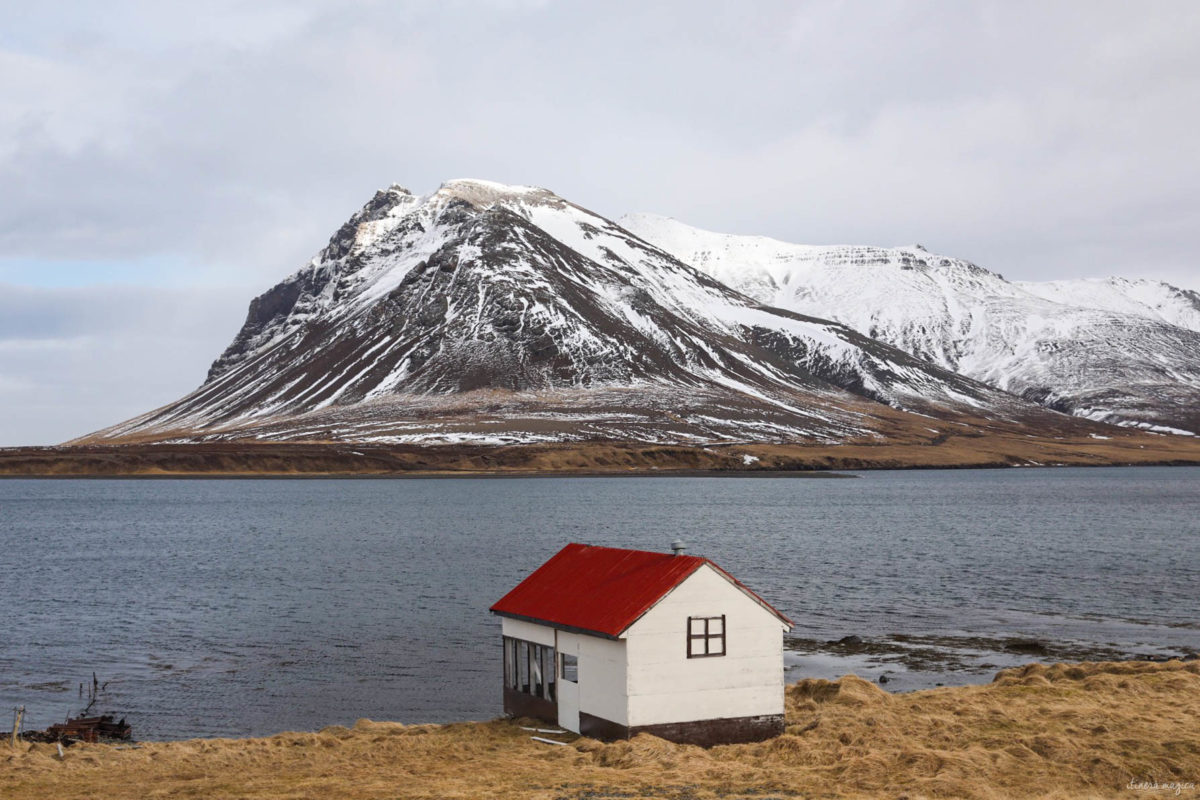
x=610, y=643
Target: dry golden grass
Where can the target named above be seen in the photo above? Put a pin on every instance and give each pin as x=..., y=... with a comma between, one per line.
x=1063, y=731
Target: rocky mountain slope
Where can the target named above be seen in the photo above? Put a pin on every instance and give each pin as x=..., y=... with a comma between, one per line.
x=498, y=314
x=1118, y=351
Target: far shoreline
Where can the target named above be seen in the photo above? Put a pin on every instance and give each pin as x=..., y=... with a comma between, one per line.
x=512, y=475
x=595, y=459
x=497, y=475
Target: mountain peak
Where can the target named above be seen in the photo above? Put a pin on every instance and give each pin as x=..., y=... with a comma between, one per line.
x=486, y=312
x=482, y=193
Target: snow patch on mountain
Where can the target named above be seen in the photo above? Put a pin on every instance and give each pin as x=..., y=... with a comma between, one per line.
x=1118, y=351
x=1142, y=297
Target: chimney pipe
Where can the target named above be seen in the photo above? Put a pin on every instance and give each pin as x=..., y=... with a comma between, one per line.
x=677, y=547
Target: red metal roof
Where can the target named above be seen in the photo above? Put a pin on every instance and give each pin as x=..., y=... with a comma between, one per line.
x=603, y=589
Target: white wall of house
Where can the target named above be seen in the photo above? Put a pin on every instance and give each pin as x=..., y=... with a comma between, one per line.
x=520, y=629
x=602, y=675
x=664, y=685
x=602, y=666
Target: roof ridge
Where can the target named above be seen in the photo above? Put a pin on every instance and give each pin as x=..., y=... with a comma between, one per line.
x=604, y=590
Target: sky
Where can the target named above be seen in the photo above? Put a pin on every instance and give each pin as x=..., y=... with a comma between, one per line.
x=163, y=163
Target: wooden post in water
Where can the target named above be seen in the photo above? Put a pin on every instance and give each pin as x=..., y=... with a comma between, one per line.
x=18, y=713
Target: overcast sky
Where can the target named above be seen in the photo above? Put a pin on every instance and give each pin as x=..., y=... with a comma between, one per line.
x=161, y=163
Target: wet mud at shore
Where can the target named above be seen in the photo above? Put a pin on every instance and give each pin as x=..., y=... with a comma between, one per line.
x=906, y=662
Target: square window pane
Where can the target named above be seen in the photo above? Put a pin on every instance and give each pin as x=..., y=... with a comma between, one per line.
x=716, y=626
x=697, y=625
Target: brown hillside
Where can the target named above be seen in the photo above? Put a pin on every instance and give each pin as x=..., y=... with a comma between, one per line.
x=902, y=450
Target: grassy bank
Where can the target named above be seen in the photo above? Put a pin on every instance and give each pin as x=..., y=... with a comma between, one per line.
x=1068, y=730
x=315, y=459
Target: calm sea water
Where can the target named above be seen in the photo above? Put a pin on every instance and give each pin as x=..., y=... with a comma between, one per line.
x=245, y=607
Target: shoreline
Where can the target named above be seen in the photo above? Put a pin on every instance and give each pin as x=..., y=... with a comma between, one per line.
x=1063, y=730
x=515, y=475
x=589, y=459
x=494, y=475
x=796, y=474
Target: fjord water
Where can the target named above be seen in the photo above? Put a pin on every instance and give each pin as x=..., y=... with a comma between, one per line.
x=246, y=607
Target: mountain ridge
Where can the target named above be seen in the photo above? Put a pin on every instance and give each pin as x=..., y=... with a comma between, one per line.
x=488, y=313
x=1114, y=350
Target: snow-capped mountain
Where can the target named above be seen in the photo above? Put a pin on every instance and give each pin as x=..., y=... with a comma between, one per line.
x=1117, y=351
x=493, y=313
x=1141, y=297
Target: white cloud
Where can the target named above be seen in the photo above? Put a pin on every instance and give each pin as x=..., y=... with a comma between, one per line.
x=73, y=360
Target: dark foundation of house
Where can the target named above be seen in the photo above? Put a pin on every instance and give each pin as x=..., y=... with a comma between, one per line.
x=705, y=733
x=520, y=704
